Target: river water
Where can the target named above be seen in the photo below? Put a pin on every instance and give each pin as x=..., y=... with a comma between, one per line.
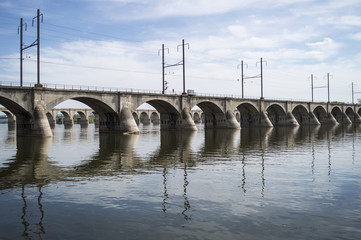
x=279, y=183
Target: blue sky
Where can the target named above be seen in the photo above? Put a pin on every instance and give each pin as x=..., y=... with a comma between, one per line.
x=115, y=43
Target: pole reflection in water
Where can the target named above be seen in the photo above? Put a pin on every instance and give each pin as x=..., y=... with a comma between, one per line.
x=300, y=182
x=30, y=170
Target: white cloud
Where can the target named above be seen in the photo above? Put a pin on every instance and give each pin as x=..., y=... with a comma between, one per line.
x=323, y=49
x=341, y=21
x=355, y=36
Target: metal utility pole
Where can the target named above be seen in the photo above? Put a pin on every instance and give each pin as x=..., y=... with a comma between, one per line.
x=242, y=78
x=353, y=93
x=164, y=83
x=182, y=62
x=35, y=43
x=38, y=44
x=184, y=66
x=261, y=80
x=21, y=49
x=257, y=76
x=328, y=86
x=261, y=63
x=163, y=89
x=312, y=86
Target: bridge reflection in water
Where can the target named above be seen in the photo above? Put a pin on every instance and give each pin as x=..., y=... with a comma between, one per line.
x=37, y=165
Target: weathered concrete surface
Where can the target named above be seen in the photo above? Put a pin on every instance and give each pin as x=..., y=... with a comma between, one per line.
x=127, y=122
x=41, y=124
x=187, y=120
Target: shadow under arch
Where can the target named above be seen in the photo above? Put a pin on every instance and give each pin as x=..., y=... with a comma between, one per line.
x=11, y=119
x=154, y=117
x=276, y=114
x=109, y=120
x=144, y=118
x=353, y=116
x=301, y=114
x=320, y=114
x=249, y=115
x=337, y=114
x=170, y=118
x=213, y=114
x=23, y=117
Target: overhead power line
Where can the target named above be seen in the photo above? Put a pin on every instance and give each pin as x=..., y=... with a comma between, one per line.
x=98, y=68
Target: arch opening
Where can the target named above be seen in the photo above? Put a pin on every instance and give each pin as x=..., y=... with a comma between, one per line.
x=301, y=114
x=248, y=115
x=276, y=114
x=337, y=114
x=320, y=114
x=351, y=114
x=107, y=118
x=212, y=114
x=170, y=118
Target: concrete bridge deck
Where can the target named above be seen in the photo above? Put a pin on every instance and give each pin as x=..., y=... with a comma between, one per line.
x=115, y=110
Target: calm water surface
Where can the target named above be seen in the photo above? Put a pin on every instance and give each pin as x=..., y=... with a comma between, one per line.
x=280, y=183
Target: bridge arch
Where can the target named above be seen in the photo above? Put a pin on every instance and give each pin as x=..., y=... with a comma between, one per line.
x=276, y=114
x=154, y=117
x=196, y=117
x=350, y=113
x=213, y=114
x=248, y=114
x=51, y=119
x=321, y=114
x=301, y=114
x=170, y=117
x=342, y=117
x=109, y=119
x=144, y=118
x=9, y=115
x=11, y=119
x=83, y=120
x=136, y=118
x=24, y=119
x=337, y=114
x=238, y=116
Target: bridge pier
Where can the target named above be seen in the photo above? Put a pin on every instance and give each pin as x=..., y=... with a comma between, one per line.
x=37, y=125
x=127, y=123
x=68, y=123
x=11, y=124
x=146, y=121
x=84, y=122
x=313, y=119
x=187, y=122
x=345, y=119
x=264, y=120
x=330, y=119
x=356, y=118
x=288, y=120
x=231, y=121
x=174, y=121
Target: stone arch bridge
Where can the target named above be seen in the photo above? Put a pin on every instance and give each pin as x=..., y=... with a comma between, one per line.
x=83, y=115
x=115, y=110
